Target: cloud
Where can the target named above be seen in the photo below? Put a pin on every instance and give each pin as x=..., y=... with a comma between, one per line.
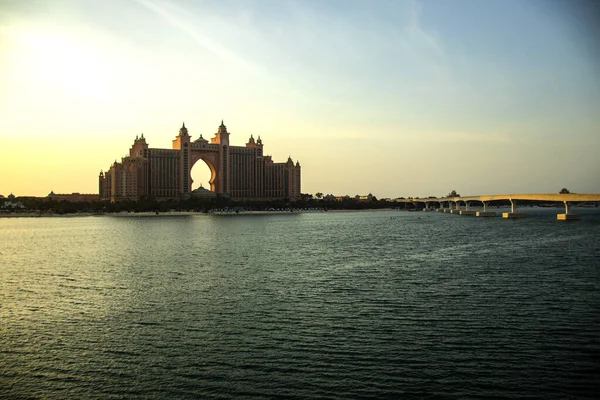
x=418, y=35
x=180, y=19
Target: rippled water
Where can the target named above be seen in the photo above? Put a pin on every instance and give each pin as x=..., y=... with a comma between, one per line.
x=382, y=304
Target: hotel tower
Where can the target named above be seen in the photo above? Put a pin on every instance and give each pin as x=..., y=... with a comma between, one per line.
x=237, y=172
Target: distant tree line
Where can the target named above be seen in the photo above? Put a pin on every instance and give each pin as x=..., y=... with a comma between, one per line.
x=46, y=205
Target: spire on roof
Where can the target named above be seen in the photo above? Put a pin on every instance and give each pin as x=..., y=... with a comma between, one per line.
x=222, y=129
x=183, y=131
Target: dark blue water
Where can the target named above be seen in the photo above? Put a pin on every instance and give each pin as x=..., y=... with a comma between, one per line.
x=382, y=304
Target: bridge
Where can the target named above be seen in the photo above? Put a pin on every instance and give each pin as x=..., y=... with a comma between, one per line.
x=454, y=205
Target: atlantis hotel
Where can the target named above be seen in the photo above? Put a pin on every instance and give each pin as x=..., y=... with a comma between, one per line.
x=237, y=172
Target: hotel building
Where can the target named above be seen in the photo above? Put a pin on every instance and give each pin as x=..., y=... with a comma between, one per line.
x=237, y=172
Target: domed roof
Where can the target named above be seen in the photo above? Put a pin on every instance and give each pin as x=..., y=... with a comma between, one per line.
x=202, y=192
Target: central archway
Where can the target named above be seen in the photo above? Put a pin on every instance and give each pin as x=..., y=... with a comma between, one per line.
x=202, y=172
x=201, y=175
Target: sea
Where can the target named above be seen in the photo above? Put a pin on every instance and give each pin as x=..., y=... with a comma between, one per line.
x=320, y=305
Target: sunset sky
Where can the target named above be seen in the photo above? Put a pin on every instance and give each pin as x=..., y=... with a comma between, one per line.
x=396, y=98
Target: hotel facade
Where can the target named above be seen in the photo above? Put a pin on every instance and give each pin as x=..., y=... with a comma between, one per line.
x=237, y=172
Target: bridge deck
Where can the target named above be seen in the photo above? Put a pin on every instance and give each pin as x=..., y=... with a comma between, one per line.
x=569, y=197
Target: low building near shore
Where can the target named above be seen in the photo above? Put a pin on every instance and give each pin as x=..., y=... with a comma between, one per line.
x=74, y=197
x=364, y=197
x=12, y=204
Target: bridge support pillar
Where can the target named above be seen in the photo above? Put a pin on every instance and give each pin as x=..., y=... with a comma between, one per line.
x=485, y=212
x=512, y=213
x=440, y=208
x=567, y=216
x=454, y=209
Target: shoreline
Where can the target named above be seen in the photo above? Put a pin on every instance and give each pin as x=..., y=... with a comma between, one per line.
x=181, y=213
x=217, y=213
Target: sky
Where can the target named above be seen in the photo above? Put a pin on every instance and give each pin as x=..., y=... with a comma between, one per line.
x=394, y=98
